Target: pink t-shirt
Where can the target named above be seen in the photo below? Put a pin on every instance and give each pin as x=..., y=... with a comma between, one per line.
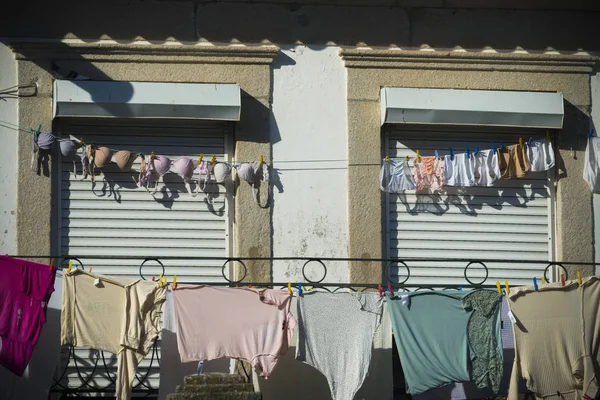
x=25, y=289
x=241, y=323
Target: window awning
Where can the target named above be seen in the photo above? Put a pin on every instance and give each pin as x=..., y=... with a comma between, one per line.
x=146, y=100
x=471, y=107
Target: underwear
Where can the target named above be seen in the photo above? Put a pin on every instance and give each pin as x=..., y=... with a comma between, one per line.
x=25, y=289
x=552, y=351
x=429, y=175
x=460, y=170
x=395, y=176
x=591, y=166
x=323, y=320
x=513, y=162
x=540, y=155
x=487, y=169
x=241, y=323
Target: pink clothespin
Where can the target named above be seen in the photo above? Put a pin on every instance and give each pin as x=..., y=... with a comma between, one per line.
x=390, y=290
x=380, y=290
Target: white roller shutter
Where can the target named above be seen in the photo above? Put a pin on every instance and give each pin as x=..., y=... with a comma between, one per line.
x=510, y=221
x=116, y=218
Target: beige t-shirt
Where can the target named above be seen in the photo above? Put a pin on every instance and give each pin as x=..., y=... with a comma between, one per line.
x=551, y=351
x=122, y=317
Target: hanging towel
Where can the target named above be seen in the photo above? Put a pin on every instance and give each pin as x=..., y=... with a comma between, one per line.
x=335, y=336
x=592, y=165
x=118, y=316
x=241, y=323
x=551, y=352
x=540, y=155
x=513, y=162
x=25, y=289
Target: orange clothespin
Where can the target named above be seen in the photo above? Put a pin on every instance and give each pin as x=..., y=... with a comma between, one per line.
x=498, y=287
x=70, y=266
x=506, y=287
x=200, y=159
x=212, y=161
x=380, y=290
x=261, y=161
x=290, y=288
x=579, y=277
x=562, y=279
x=51, y=263
x=174, y=282
x=160, y=280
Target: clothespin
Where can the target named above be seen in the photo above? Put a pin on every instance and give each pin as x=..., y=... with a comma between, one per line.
x=160, y=280
x=212, y=161
x=390, y=290
x=592, y=133
x=51, y=263
x=506, y=287
x=460, y=288
x=174, y=282
x=289, y=288
x=380, y=290
x=543, y=280
x=418, y=156
x=387, y=158
x=91, y=268
x=476, y=151
x=579, y=277
x=493, y=148
x=437, y=155
x=529, y=141
x=468, y=153
x=407, y=158
x=153, y=279
x=451, y=154
x=151, y=155
x=81, y=141
x=501, y=145
x=547, y=135
x=166, y=281
x=70, y=266
x=250, y=286
x=299, y=289
x=562, y=279
x=520, y=142
x=200, y=158
x=535, y=285
x=498, y=287
x=261, y=161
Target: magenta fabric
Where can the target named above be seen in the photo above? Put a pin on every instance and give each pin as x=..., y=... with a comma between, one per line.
x=25, y=289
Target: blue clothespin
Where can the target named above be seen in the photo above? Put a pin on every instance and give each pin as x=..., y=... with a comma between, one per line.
x=493, y=148
x=437, y=155
x=476, y=151
x=468, y=154
x=535, y=285
x=501, y=145
x=460, y=288
x=592, y=133
x=300, y=289
x=529, y=141
x=451, y=154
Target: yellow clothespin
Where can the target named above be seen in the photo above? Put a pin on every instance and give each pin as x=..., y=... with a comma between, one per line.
x=543, y=280
x=166, y=281
x=160, y=280
x=289, y=288
x=498, y=286
x=506, y=287
x=407, y=158
x=70, y=266
x=213, y=160
x=81, y=140
x=418, y=155
x=579, y=277
x=151, y=155
x=174, y=282
x=200, y=159
x=51, y=263
x=521, y=142
x=547, y=135
x=261, y=161
x=387, y=158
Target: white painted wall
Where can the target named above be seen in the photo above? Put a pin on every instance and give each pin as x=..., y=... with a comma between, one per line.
x=8, y=154
x=595, y=86
x=309, y=135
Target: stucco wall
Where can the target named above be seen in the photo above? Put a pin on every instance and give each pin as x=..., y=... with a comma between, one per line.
x=309, y=138
x=8, y=154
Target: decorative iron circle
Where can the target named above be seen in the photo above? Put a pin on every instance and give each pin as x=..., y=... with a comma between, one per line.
x=484, y=267
x=227, y=262
x=552, y=264
x=388, y=267
x=304, y=270
x=151, y=259
x=71, y=258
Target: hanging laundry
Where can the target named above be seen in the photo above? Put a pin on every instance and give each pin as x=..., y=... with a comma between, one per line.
x=417, y=324
x=241, y=323
x=591, y=166
x=540, y=155
x=248, y=172
x=335, y=336
x=395, y=176
x=460, y=170
x=41, y=141
x=185, y=168
x=429, y=175
x=550, y=350
x=221, y=171
x=125, y=160
x=25, y=289
x=68, y=150
x=118, y=316
x=487, y=168
x=513, y=162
